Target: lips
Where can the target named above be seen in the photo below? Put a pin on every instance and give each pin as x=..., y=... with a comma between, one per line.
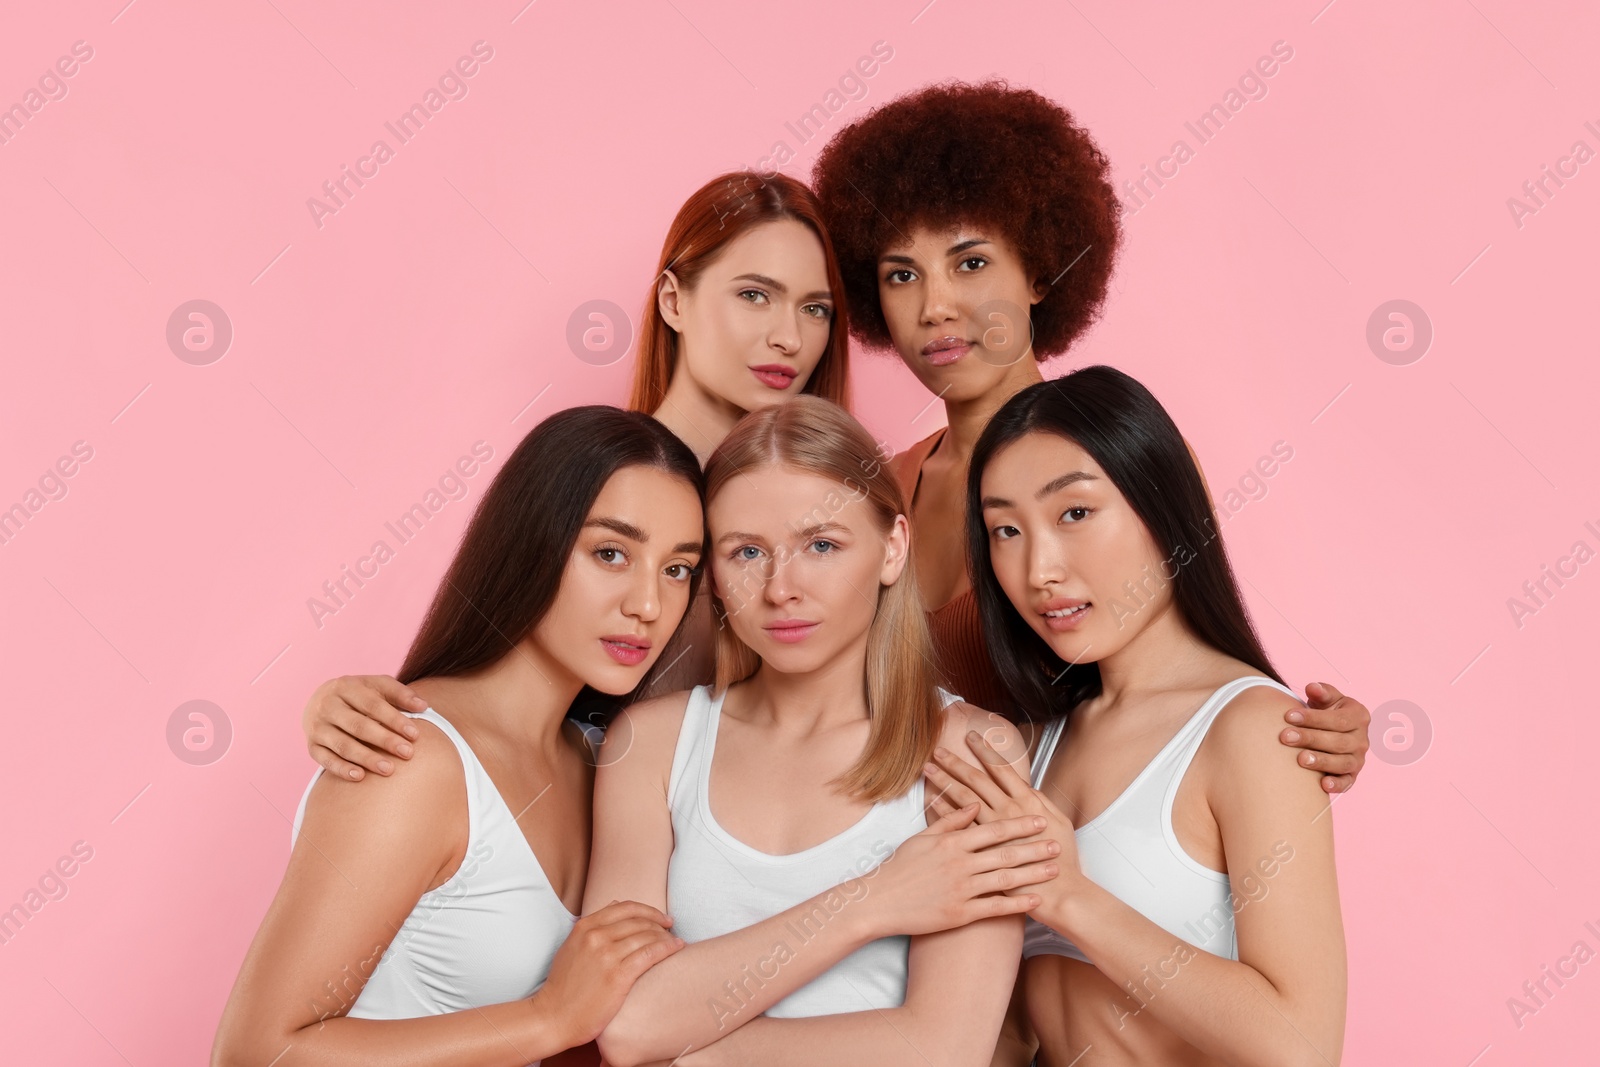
x=1064, y=614
x=775, y=375
x=790, y=631
x=627, y=649
x=946, y=350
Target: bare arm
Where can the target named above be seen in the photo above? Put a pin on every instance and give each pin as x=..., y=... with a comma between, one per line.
x=958, y=988
x=936, y=880
x=1283, y=1000
x=363, y=859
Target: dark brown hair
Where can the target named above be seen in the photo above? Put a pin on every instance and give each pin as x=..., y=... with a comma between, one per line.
x=985, y=154
x=507, y=571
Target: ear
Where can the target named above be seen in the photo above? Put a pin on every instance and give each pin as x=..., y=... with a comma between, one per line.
x=669, y=294
x=897, y=546
x=1041, y=289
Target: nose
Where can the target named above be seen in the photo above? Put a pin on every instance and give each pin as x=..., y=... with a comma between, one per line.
x=1047, y=564
x=779, y=586
x=938, y=299
x=785, y=332
x=642, y=600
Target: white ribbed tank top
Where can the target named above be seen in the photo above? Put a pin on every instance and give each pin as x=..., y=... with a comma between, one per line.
x=717, y=884
x=484, y=936
x=1131, y=851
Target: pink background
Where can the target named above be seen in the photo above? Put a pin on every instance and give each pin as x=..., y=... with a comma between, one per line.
x=369, y=353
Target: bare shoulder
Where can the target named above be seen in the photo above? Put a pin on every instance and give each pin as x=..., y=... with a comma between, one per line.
x=425, y=799
x=1252, y=720
x=1002, y=735
x=646, y=733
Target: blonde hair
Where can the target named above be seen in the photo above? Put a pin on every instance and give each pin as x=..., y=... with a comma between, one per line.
x=812, y=435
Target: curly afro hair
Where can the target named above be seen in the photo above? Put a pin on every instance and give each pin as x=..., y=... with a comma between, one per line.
x=988, y=154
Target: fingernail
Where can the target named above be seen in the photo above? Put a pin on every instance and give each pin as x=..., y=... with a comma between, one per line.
x=1291, y=735
x=355, y=773
x=1296, y=716
x=405, y=749
x=940, y=753
x=973, y=735
x=1051, y=869
x=1311, y=759
x=384, y=766
x=1038, y=822
x=1053, y=847
x=928, y=768
x=411, y=731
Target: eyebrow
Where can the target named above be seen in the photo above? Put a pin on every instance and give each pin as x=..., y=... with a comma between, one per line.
x=806, y=531
x=776, y=285
x=627, y=529
x=1051, y=486
x=954, y=249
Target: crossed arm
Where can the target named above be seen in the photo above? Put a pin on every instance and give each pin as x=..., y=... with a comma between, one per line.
x=665, y=1017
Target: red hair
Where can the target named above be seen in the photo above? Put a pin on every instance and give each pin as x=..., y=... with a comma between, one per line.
x=719, y=211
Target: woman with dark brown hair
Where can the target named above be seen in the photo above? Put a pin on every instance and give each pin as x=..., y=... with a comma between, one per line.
x=425, y=916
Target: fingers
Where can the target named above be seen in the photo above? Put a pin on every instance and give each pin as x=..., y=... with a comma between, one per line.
x=1340, y=714
x=1337, y=783
x=619, y=910
x=1322, y=695
x=384, y=727
x=956, y=819
x=330, y=762
x=974, y=778
x=1017, y=855
x=1001, y=904
x=999, y=768
x=402, y=697
x=947, y=788
x=1322, y=742
x=647, y=956
x=1015, y=877
x=370, y=732
x=330, y=736
x=985, y=835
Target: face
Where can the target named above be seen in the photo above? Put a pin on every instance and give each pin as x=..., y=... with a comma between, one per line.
x=626, y=583
x=958, y=303
x=798, y=561
x=1069, y=551
x=753, y=328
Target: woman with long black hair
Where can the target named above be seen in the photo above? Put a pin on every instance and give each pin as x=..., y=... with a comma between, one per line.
x=1197, y=919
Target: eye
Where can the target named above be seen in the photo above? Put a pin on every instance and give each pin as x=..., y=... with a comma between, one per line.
x=1075, y=514
x=979, y=260
x=894, y=277
x=820, y=311
x=746, y=553
x=1003, y=532
x=611, y=555
x=754, y=296
x=824, y=546
x=681, y=572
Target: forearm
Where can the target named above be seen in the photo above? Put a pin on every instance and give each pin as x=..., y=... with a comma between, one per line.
x=1225, y=1008
x=712, y=987
x=890, y=1037
x=499, y=1035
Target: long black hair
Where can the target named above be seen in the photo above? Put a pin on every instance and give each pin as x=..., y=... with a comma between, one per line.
x=1133, y=439
x=508, y=569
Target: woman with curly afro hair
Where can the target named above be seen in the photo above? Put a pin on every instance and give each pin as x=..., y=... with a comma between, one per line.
x=976, y=229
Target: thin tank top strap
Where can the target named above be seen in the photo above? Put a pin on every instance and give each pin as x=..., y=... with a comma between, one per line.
x=1184, y=747
x=689, y=761
x=1046, y=749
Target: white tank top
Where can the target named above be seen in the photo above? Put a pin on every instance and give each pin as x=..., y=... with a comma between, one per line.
x=1130, y=850
x=717, y=884
x=487, y=934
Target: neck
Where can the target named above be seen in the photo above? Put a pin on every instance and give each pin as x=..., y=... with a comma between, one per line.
x=697, y=418
x=832, y=695
x=1165, y=654
x=521, y=699
x=968, y=417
